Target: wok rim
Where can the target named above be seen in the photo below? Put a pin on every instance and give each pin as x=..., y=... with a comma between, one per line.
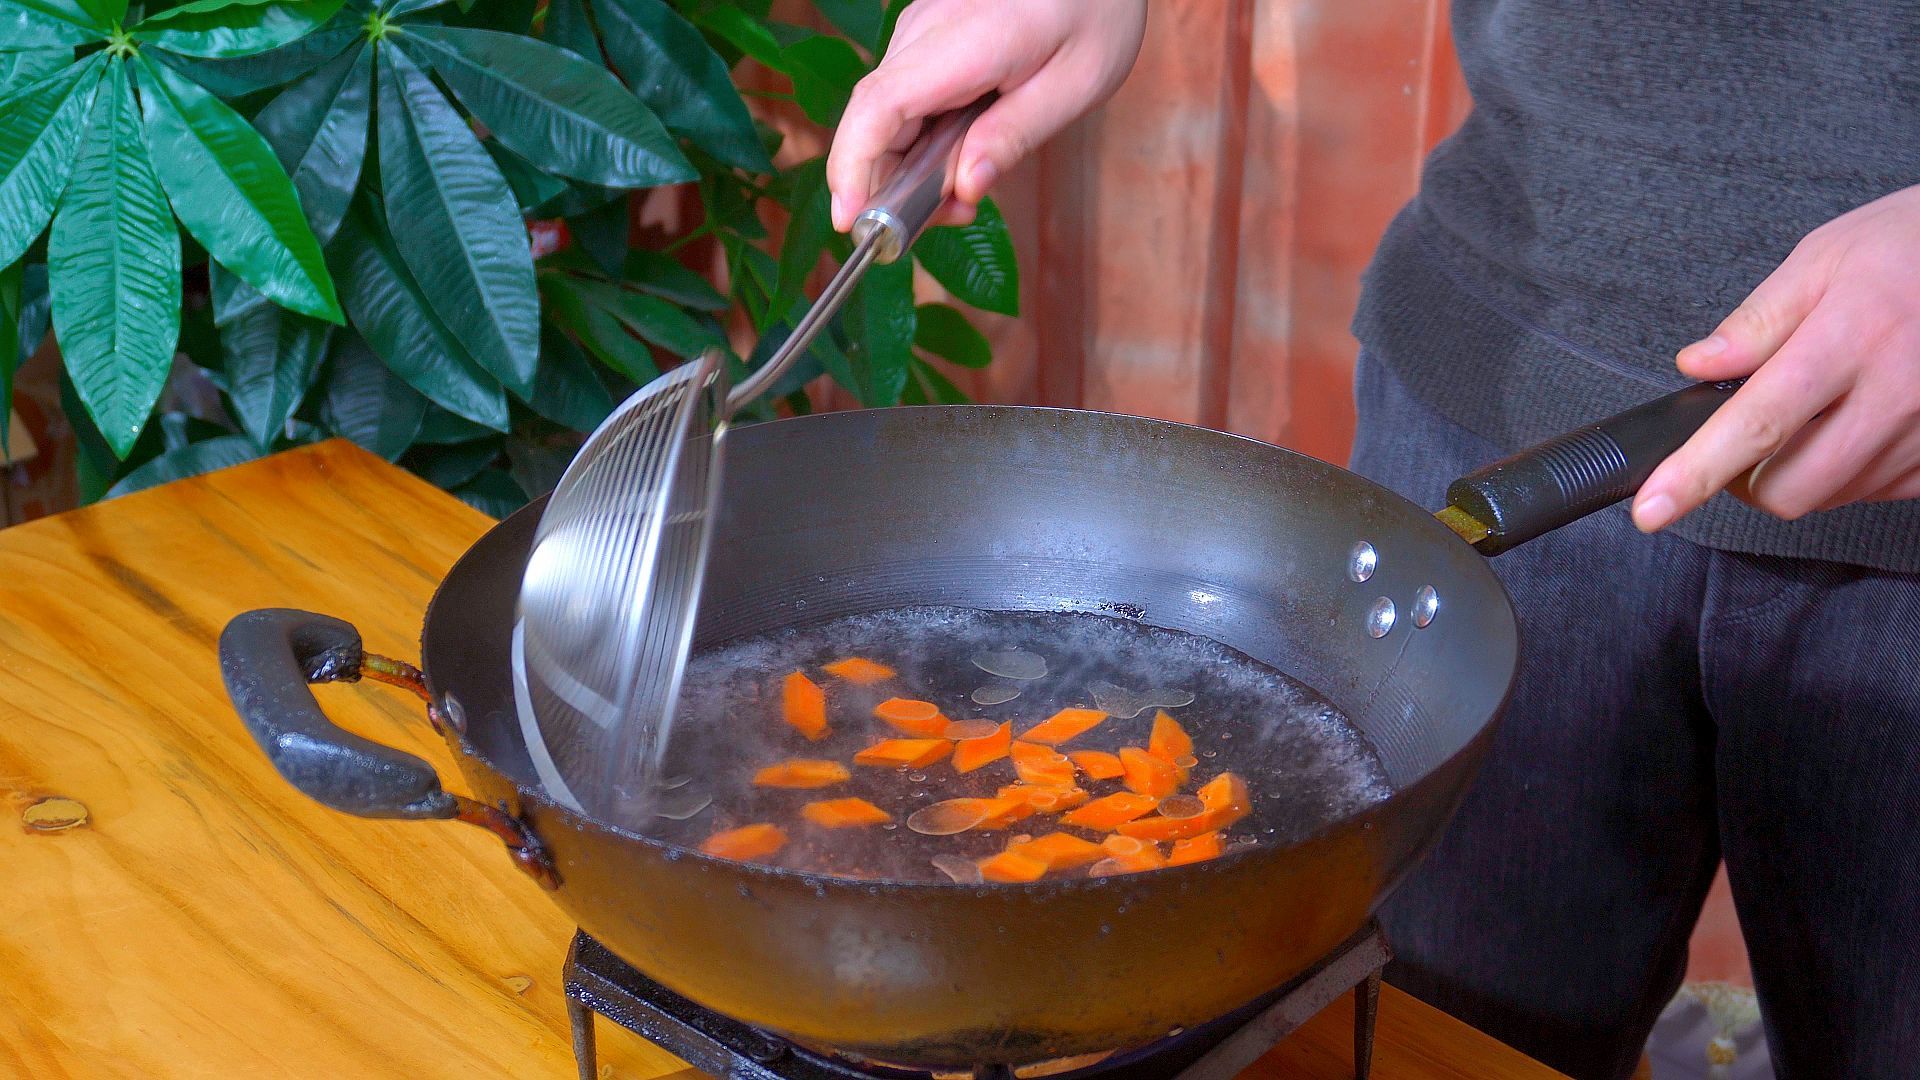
x=538, y=795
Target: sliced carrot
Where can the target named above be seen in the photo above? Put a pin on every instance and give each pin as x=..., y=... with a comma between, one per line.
x=859, y=670
x=1040, y=765
x=1012, y=866
x=802, y=773
x=1107, y=814
x=904, y=753
x=913, y=716
x=1148, y=858
x=1149, y=775
x=1060, y=851
x=1004, y=811
x=1169, y=741
x=746, y=842
x=1226, y=799
x=1064, y=725
x=1195, y=849
x=804, y=705
x=1046, y=798
x=844, y=813
x=1121, y=846
x=1165, y=828
x=1097, y=764
x=971, y=754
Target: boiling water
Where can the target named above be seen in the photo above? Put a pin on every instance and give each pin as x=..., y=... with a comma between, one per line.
x=1303, y=763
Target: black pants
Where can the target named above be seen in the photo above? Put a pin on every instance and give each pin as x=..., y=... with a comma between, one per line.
x=1675, y=705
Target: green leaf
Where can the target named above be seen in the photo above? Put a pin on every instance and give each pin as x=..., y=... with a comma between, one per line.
x=807, y=231
x=529, y=185
x=367, y=403
x=975, y=262
x=11, y=351
x=442, y=428
x=493, y=493
x=231, y=194
x=880, y=320
x=548, y=105
x=451, y=467
x=887, y=24
x=192, y=459
x=19, y=69
x=407, y=7
x=222, y=29
x=113, y=261
x=824, y=69
x=455, y=223
x=511, y=16
x=944, y=332
x=537, y=469
x=938, y=389
x=568, y=26
x=665, y=276
x=567, y=391
x=861, y=20
x=40, y=24
x=388, y=309
x=607, y=319
x=271, y=357
x=318, y=130
x=40, y=129
x=671, y=67
x=745, y=32
x=250, y=74
x=602, y=234
x=108, y=13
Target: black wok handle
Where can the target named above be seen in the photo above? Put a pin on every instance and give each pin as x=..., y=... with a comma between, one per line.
x=269, y=658
x=1570, y=476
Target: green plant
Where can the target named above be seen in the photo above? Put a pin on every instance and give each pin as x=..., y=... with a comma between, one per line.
x=357, y=182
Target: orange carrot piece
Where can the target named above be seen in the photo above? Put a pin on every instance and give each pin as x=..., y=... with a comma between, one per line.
x=1012, y=866
x=1040, y=765
x=1159, y=828
x=1195, y=849
x=1107, y=814
x=971, y=754
x=904, y=753
x=1004, y=811
x=1046, y=798
x=844, y=813
x=1121, y=846
x=912, y=716
x=746, y=842
x=1148, y=858
x=1149, y=775
x=859, y=670
x=1060, y=851
x=1097, y=764
x=804, y=705
x=802, y=773
x=1169, y=741
x=1064, y=725
x=1226, y=800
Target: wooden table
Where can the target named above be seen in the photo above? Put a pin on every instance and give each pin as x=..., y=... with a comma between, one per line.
x=206, y=920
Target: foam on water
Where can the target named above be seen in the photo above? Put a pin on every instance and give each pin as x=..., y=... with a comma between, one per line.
x=1304, y=764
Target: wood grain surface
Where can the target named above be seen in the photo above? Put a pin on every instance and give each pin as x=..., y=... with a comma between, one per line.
x=173, y=909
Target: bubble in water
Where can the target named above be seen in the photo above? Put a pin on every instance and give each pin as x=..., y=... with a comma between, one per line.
x=1182, y=806
x=679, y=804
x=1011, y=664
x=890, y=826
x=1124, y=704
x=1106, y=868
x=948, y=817
x=995, y=693
x=917, y=777
x=962, y=871
x=1208, y=753
x=971, y=729
x=1186, y=761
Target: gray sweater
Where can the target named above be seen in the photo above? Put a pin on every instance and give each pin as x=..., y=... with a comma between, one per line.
x=1631, y=170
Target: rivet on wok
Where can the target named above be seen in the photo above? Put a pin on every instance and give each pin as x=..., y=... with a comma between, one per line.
x=1361, y=562
x=1426, y=604
x=1380, y=618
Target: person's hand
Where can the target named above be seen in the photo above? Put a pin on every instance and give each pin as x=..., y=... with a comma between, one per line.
x=1051, y=60
x=1831, y=414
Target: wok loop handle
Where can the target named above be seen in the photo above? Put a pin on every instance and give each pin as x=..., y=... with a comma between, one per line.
x=1570, y=476
x=269, y=658
x=911, y=196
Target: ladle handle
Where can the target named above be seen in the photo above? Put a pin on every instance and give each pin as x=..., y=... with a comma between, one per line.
x=1570, y=476
x=904, y=205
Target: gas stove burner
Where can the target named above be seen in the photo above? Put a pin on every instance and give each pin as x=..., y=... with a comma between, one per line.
x=599, y=982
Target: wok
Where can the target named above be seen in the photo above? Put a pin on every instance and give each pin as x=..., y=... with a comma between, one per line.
x=1294, y=562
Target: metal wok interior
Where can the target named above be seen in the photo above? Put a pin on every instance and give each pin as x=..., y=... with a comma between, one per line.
x=1038, y=510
